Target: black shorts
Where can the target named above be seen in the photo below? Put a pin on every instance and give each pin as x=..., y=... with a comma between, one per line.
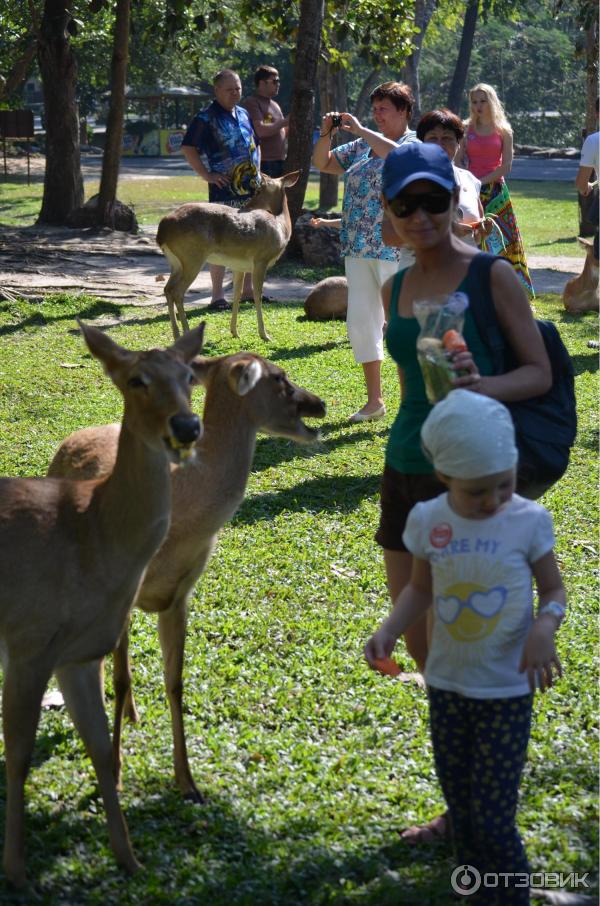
x=399, y=493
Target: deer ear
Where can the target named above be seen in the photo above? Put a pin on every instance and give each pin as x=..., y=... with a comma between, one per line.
x=290, y=179
x=244, y=375
x=103, y=348
x=190, y=344
x=202, y=368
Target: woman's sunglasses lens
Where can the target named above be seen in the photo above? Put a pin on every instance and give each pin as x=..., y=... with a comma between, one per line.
x=432, y=203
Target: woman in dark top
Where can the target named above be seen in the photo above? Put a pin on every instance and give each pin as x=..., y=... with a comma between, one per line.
x=420, y=196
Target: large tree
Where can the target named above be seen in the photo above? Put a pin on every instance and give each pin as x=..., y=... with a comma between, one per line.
x=114, y=126
x=302, y=108
x=63, y=183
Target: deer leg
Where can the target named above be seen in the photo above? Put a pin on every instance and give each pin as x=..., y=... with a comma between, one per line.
x=24, y=686
x=258, y=278
x=82, y=689
x=238, y=279
x=183, y=274
x=171, y=628
x=124, y=704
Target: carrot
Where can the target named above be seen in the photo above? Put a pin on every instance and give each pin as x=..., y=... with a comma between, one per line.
x=387, y=666
x=453, y=342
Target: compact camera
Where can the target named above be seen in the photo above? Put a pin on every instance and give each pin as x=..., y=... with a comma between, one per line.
x=336, y=120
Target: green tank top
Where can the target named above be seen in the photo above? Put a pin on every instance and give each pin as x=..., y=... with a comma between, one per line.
x=403, y=450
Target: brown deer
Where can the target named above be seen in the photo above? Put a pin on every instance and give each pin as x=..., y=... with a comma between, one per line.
x=72, y=555
x=250, y=239
x=244, y=394
x=581, y=293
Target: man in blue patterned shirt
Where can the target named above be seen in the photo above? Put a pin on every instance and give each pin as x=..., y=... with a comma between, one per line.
x=221, y=146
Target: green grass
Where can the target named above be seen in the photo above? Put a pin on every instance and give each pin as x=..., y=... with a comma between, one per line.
x=546, y=211
x=547, y=215
x=309, y=762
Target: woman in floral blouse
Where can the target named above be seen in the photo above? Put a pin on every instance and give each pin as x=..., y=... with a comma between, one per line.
x=368, y=262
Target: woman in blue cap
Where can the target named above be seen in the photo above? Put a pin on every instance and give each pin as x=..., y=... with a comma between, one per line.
x=420, y=196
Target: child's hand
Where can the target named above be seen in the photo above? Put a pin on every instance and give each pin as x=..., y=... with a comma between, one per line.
x=380, y=645
x=317, y=221
x=539, y=655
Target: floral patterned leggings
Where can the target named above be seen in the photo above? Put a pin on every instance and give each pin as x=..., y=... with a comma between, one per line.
x=480, y=746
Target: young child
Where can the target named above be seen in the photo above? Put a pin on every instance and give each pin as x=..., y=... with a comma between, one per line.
x=475, y=549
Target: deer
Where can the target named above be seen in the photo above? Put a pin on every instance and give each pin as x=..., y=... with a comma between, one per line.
x=581, y=293
x=245, y=394
x=72, y=555
x=249, y=239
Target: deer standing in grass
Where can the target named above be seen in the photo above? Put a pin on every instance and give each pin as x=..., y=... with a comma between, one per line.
x=581, y=293
x=244, y=394
x=72, y=554
x=250, y=239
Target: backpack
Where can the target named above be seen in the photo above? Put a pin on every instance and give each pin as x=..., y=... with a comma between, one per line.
x=545, y=425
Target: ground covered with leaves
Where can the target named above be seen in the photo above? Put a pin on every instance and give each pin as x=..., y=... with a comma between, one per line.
x=310, y=763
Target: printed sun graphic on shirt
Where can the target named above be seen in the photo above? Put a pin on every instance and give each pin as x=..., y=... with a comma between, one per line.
x=474, y=611
x=470, y=612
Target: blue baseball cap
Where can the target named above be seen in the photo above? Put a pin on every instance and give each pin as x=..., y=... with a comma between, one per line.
x=416, y=160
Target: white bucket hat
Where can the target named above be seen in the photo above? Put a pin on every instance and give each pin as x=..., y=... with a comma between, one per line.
x=468, y=435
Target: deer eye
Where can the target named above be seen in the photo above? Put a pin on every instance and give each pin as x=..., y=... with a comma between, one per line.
x=137, y=381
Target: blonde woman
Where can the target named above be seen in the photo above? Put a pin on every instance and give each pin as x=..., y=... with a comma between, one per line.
x=487, y=152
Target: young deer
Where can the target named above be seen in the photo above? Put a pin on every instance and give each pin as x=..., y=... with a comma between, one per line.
x=250, y=239
x=581, y=293
x=72, y=554
x=244, y=394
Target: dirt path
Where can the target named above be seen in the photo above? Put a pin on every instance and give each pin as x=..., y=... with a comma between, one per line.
x=36, y=261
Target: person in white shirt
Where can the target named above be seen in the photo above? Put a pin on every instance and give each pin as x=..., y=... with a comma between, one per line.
x=589, y=163
x=475, y=549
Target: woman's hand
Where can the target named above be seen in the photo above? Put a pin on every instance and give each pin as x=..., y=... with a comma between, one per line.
x=467, y=373
x=540, y=660
x=380, y=645
x=327, y=127
x=483, y=229
x=350, y=123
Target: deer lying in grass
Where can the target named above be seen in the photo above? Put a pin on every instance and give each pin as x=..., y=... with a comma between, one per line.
x=250, y=239
x=244, y=394
x=581, y=293
x=72, y=554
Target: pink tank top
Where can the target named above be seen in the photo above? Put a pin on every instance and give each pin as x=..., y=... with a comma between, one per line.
x=484, y=152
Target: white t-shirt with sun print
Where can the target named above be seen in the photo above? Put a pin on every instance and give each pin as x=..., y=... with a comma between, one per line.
x=482, y=592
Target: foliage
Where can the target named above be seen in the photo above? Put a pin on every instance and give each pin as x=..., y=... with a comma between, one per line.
x=309, y=762
x=531, y=62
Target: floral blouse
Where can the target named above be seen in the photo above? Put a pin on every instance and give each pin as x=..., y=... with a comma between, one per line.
x=362, y=211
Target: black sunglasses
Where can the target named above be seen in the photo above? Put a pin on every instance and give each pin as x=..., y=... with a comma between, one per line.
x=431, y=202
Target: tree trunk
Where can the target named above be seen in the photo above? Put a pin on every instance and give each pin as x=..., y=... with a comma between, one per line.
x=111, y=158
x=363, y=108
x=332, y=96
x=302, y=107
x=424, y=10
x=20, y=70
x=591, y=61
x=63, y=183
x=459, y=79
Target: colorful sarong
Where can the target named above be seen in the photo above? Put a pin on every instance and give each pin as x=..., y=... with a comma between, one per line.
x=505, y=238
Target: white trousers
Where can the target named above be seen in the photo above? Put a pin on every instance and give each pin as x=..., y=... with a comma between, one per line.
x=364, y=321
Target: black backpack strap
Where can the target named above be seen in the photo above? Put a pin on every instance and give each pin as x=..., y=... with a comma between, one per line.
x=482, y=308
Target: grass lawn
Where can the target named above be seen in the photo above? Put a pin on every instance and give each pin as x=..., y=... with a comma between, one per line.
x=546, y=211
x=309, y=762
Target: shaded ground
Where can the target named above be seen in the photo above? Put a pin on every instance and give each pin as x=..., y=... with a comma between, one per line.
x=36, y=261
